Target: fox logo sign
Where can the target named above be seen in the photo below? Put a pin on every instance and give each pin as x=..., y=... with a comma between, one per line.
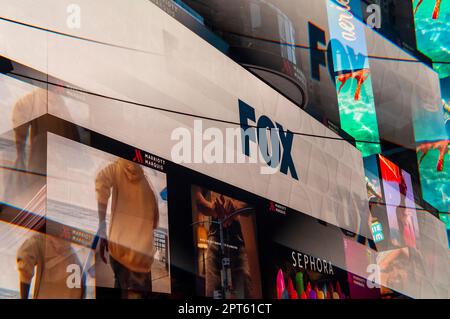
x=269, y=137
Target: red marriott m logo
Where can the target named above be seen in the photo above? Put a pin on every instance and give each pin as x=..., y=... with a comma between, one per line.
x=67, y=233
x=272, y=207
x=138, y=156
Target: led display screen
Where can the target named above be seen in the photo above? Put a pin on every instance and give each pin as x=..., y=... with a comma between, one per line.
x=49, y=267
x=431, y=121
x=371, y=169
x=431, y=18
x=301, y=276
x=361, y=260
x=400, y=205
x=352, y=74
x=226, y=245
x=446, y=219
x=82, y=181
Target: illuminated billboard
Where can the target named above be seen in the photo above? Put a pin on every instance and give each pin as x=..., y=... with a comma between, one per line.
x=221, y=222
x=393, y=211
x=352, y=74
x=431, y=18
x=432, y=130
x=122, y=202
x=431, y=121
x=56, y=260
x=432, y=133
x=400, y=205
x=446, y=219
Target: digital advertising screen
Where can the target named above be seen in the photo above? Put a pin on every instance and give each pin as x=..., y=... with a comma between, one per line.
x=377, y=222
x=431, y=19
x=301, y=276
x=446, y=220
x=367, y=279
x=432, y=133
x=400, y=205
x=352, y=74
x=224, y=230
x=121, y=202
x=372, y=172
x=22, y=152
x=41, y=266
x=294, y=262
x=401, y=269
x=432, y=121
x=361, y=260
